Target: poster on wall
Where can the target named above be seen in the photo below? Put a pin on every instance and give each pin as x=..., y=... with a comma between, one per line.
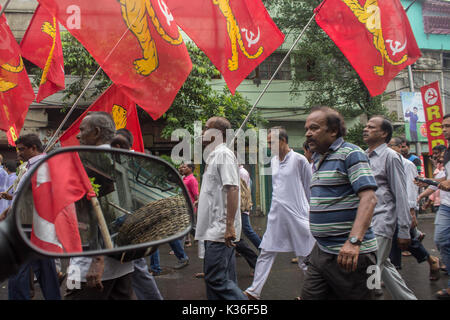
x=413, y=114
x=432, y=103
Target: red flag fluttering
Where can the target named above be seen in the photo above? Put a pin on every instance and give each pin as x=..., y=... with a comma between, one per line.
x=375, y=37
x=124, y=113
x=135, y=42
x=236, y=35
x=41, y=45
x=57, y=184
x=16, y=92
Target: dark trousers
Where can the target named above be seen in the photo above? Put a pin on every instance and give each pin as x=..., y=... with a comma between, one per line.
x=326, y=280
x=416, y=248
x=45, y=271
x=219, y=266
x=246, y=251
x=114, y=289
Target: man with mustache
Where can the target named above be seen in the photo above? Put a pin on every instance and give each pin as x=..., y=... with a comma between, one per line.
x=342, y=203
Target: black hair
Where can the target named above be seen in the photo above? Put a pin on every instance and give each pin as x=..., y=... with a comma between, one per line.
x=440, y=148
x=127, y=134
x=11, y=165
x=335, y=121
x=30, y=140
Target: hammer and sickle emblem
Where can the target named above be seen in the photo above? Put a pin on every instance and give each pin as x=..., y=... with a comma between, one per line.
x=398, y=46
x=165, y=11
x=234, y=34
x=369, y=15
x=252, y=39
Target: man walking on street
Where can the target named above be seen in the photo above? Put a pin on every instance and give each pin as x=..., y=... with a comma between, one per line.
x=342, y=204
x=218, y=214
x=102, y=278
x=416, y=247
x=288, y=219
x=392, y=209
x=442, y=224
x=30, y=150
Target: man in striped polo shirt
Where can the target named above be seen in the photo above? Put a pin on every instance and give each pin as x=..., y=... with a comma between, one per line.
x=342, y=204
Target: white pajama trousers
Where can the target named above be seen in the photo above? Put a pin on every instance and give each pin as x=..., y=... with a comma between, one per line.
x=262, y=270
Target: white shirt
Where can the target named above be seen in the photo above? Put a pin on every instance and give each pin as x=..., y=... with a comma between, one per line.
x=445, y=195
x=288, y=219
x=411, y=189
x=222, y=170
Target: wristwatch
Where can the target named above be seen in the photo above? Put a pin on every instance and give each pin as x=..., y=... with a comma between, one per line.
x=355, y=241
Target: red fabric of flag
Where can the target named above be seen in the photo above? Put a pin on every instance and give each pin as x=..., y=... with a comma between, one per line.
x=57, y=184
x=236, y=35
x=41, y=45
x=122, y=109
x=135, y=42
x=16, y=92
x=374, y=35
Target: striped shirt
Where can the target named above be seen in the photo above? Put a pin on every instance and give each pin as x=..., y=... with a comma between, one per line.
x=338, y=176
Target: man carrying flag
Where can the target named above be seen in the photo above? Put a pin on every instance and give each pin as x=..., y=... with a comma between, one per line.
x=29, y=149
x=375, y=37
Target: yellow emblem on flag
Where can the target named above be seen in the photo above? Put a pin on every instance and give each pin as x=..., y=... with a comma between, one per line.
x=119, y=115
x=49, y=29
x=136, y=14
x=234, y=35
x=370, y=16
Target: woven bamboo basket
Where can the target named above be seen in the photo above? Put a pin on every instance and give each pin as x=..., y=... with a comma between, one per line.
x=157, y=220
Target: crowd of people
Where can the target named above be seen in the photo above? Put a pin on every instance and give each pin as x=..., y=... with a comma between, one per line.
x=338, y=208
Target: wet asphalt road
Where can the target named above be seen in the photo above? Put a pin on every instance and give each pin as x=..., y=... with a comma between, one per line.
x=285, y=279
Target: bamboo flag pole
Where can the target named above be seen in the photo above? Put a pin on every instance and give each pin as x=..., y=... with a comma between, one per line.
x=102, y=223
x=271, y=79
x=4, y=7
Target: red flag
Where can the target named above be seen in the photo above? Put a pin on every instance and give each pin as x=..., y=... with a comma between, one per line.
x=122, y=109
x=236, y=35
x=432, y=107
x=135, y=43
x=41, y=45
x=57, y=185
x=16, y=92
x=375, y=36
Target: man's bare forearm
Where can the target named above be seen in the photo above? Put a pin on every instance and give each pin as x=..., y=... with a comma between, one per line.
x=367, y=203
x=232, y=203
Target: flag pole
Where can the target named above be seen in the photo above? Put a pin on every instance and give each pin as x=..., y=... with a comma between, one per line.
x=273, y=77
x=4, y=7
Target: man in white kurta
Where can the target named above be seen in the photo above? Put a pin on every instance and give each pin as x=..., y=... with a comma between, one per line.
x=288, y=219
